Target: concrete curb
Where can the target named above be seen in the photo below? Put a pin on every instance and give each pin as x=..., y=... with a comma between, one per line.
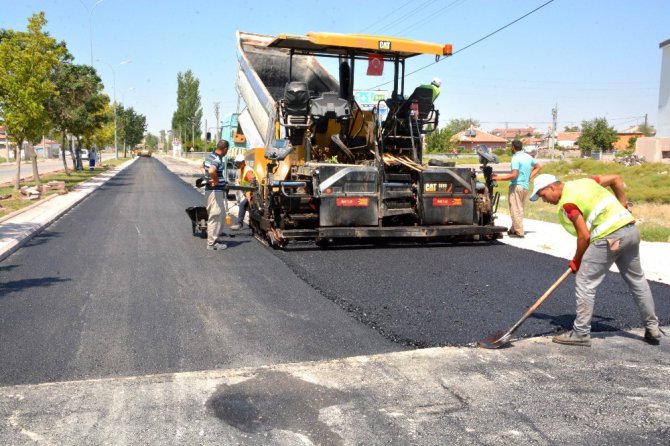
x=23, y=226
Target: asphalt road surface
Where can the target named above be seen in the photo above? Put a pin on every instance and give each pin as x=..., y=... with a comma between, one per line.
x=119, y=287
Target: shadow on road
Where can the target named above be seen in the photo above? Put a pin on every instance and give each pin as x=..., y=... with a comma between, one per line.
x=25, y=284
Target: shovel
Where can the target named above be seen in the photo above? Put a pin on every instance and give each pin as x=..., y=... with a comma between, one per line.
x=498, y=341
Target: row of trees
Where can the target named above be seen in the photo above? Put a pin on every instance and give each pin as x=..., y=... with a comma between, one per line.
x=43, y=92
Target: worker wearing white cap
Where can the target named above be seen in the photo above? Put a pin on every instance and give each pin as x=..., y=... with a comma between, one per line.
x=606, y=234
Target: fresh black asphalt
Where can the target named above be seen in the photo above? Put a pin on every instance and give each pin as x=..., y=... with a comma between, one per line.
x=119, y=286
x=461, y=293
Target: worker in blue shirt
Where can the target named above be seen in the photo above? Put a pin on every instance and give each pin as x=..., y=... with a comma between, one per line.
x=524, y=168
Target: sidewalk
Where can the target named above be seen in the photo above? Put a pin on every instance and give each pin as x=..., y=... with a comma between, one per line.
x=552, y=239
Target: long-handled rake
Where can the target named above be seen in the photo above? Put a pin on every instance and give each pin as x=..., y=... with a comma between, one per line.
x=498, y=341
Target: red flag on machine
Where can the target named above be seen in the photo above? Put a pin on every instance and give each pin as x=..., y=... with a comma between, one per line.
x=375, y=64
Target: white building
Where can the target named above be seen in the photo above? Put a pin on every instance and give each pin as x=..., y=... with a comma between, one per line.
x=663, y=126
x=658, y=149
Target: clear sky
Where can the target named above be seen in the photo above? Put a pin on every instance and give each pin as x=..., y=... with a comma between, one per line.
x=590, y=58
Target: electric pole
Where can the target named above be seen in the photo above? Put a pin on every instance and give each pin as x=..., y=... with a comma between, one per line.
x=216, y=116
x=554, y=115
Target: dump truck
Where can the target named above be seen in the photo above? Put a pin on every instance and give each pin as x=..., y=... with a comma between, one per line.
x=327, y=170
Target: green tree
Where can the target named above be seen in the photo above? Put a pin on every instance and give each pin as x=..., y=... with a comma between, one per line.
x=186, y=120
x=646, y=130
x=573, y=128
x=89, y=114
x=133, y=127
x=459, y=124
x=80, y=106
x=596, y=135
x=27, y=60
x=151, y=141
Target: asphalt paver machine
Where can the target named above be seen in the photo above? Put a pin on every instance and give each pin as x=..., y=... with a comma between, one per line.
x=328, y=170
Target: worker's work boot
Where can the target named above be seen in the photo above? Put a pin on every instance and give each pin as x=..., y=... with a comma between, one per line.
x=572, y=338
x=652, y=335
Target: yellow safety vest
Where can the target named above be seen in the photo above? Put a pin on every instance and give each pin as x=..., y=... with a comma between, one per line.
x=602, y=211
x=243, y=180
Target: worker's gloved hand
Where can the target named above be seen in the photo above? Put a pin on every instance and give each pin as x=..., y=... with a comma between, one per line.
x=574, y=266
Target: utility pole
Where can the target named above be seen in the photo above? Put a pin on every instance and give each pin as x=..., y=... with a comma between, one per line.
x=554, y=115
x=216, y=115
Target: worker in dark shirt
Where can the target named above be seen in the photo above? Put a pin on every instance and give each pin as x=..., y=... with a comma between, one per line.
x=215, y=168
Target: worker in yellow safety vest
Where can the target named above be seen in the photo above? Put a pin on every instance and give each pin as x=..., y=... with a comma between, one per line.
x=247, y=176
x=434, y=86
x=606, y=234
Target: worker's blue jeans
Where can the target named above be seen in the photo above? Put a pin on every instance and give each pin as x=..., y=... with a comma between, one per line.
x=244, y=206
x=621, y=247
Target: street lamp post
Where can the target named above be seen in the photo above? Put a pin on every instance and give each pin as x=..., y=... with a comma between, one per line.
x=193, y=133
x=90, y=25
x=116, y=138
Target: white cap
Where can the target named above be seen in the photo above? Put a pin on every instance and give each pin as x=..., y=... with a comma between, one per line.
x=239, y=158
x=436, y=81
x=540, y=182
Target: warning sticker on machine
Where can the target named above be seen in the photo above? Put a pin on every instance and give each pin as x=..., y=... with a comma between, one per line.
x=352, y=201
x=437, y=201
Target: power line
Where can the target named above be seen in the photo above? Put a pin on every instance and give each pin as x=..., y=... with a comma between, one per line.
x=476, y=41
x=497, y=30
x=418, y=8
x=431, y=16
x=384, y=18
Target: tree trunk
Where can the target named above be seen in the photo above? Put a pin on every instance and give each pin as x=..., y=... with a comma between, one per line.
x=62, y=154
x=33, y=159
x=77, y=156
x=17, y=156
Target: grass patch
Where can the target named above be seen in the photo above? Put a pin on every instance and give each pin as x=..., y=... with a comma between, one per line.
x=649, y=182
x=17, y=201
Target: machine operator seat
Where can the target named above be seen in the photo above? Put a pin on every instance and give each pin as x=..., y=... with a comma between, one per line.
x=329, y=106
x=296, y=99
x=423, y=97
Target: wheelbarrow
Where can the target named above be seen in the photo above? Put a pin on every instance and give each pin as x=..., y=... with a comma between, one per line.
x=198, y=216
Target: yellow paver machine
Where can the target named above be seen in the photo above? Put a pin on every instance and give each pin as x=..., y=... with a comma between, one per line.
x=329, y=170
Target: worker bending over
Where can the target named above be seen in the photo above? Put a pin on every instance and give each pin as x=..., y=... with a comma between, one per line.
x=606, y=234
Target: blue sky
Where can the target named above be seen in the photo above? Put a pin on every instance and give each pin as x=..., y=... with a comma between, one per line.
x=591, y=58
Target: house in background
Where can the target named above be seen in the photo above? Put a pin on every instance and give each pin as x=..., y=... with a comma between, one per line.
x=532, y=144
x=469, y=140
x=657, y=149
x=4, y=144
x=624, y=139
x=567, y=140
x=514, y=133
x=47, y=148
